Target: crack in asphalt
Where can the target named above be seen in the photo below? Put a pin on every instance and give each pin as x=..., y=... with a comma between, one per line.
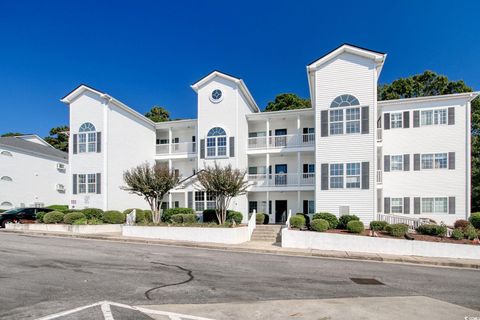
x=189, y=273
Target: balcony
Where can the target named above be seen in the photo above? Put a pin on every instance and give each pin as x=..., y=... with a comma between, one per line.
x=379, y=177
x=176, y=149
x=282, y=180
x=281, y=142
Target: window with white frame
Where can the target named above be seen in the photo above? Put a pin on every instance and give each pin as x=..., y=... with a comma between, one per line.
x=91, y=183
x=87, y=138
x=87, y=183
x=211, y=203
x=396, y=120
x=199, y=200
x=397, y=205
x=311, y=206
x=82, y=183
x=427, y=161
x=433, y=117
x=353, y=175
x=344, y=117
x=352, y=117
x=435, y=205
x=336, y=175
x=434, y=161
x=396, y=163
x=336, y=122
x=216, y=143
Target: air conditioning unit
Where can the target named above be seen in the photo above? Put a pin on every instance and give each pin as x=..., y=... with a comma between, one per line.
x=60, y=187
x=61, y=166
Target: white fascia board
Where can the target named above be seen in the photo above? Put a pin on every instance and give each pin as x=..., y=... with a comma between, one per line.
x=467, y=96
x=279, y=114
x=36, y=137
x=176, y=123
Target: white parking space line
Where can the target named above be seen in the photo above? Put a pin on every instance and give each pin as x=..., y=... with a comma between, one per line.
x=107, y=312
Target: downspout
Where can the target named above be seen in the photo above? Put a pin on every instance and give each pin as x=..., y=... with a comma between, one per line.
x=104, y=144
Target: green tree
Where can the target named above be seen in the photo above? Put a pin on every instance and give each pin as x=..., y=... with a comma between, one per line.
x=430, y=84
x=11, y=134
x=158, y=114
x=288, y=101
x=58, y=138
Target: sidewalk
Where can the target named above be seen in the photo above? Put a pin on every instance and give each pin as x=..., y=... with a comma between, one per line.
x=269, y=248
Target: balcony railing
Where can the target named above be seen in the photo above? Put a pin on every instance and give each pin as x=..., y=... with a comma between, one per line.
x=379, y=177
x=282, y=179
x=283, y=141
x=177, y=148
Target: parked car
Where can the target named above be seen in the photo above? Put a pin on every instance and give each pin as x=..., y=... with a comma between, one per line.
x=20, y=215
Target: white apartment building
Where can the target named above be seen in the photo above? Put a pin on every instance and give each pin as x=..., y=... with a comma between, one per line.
x=32, y=173
x=348, y=154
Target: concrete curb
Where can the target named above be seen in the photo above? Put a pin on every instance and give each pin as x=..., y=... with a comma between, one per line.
x=440, y=262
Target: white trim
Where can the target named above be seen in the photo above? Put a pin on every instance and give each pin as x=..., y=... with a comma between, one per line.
x=469, y=96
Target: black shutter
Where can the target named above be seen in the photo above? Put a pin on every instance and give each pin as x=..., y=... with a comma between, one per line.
x=232, y=146
x=365, y=175
x=416, y=118
x=99, y=142
x=324, y=123
x=416, y=205
x=305, y=206
x=451, y=116
x=202, y=148
x=451, y=160
x=74, y=186
x=365, y=122
x=406, y=162
x=386, y=121
x=451, y=205
x=386, y=163
x=324, y=176
x=406, y=119
x=75, y=143
x=305, y=168
x=416, y=162
x=406, y=205
x=190, y=200
x=386, y=205
x=99, y=183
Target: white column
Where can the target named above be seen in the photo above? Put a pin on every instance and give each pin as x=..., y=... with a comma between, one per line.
x=186, y=199
x=299, y=132
x=267, y=165
x=170, y=200
x=268, y=133
x=169, y=140
x=268, y=209
x=299, y=206
x=299, y=167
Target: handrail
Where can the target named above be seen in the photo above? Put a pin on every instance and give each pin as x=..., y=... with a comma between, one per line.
x=176, y=148
x=413, y=223
x=282, y=179
x=252, y=223
x=287, y=223
x=282, y=141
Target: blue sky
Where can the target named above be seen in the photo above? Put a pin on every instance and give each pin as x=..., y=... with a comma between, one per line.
x=150, y=52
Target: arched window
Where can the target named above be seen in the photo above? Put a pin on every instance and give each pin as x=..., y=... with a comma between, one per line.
x=6, y=153
x=216, y=143
x=345, y=100
x=5, y=204
x=345, y=116
x=87, y=138
x=6, y=178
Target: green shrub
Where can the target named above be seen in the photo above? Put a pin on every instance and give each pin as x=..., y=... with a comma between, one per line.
x=297, y=222
x=320, y=225
x=39, y=216
x=397, y=230
x=58, y=207
x=168, y=213
x=69, y=218
x=235, y=215
x=475, y=220
x=307, y=218
x=260, y=218
x=267, y=219
x=189, y=218
x=461, y=224
x=432, y=230
x=91, y=213
x=210, y=215
x=355, y=226
x=94, y=221
x=177, y=218
x=141, y=216
x=470, y=233
x=80, y=221
x=331, y=218
x=346, y=218
x=113, y=217
x=457, y=234
x=53, y=217
x=378, y=225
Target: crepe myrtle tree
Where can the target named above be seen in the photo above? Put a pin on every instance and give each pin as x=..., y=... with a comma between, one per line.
x=226, y=183
x=152, y=182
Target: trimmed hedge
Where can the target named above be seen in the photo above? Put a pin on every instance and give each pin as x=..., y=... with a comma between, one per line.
x=297, y=222
x=397, y=230
x=432, y=230
x=260, y=218
x=461, y=224
x=53, y=217
x=320, y=225
x=71, y=217
x=81, y=221
x=58, y=207
x=475, y=220
x=355, y=226
x=307, y=218
x=378, y=225
x=168, y=213
x=331, y=218
x=345, y=219
x=184, y=218
x=39, y=216
x=457, y=234
x=113, y=217
x=235, y=215
x=470, y=233
x=210, y=215
x=93, y=213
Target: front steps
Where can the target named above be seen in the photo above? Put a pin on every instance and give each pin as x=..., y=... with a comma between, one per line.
x=267, y=233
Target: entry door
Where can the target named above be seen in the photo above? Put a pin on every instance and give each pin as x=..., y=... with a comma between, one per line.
x=280, y=174
x=280, y=211
x=280, y=138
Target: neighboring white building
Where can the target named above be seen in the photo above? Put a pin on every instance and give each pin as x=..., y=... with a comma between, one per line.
x=348, y=154
x=32, y=173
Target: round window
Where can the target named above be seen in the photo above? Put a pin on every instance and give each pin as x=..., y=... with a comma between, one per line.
x=216, y=95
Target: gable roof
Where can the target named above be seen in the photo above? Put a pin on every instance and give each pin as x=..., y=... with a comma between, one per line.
x=17, y=143
x=243, y=88
x=83, y=88
x=39, y=140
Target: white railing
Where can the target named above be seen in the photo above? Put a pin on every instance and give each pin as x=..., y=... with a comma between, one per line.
x=287, y=223
x=283, y=141
x=177, y=148
x=282, y=179
x=252, y=223
x=413, y=223
x=379, y=177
